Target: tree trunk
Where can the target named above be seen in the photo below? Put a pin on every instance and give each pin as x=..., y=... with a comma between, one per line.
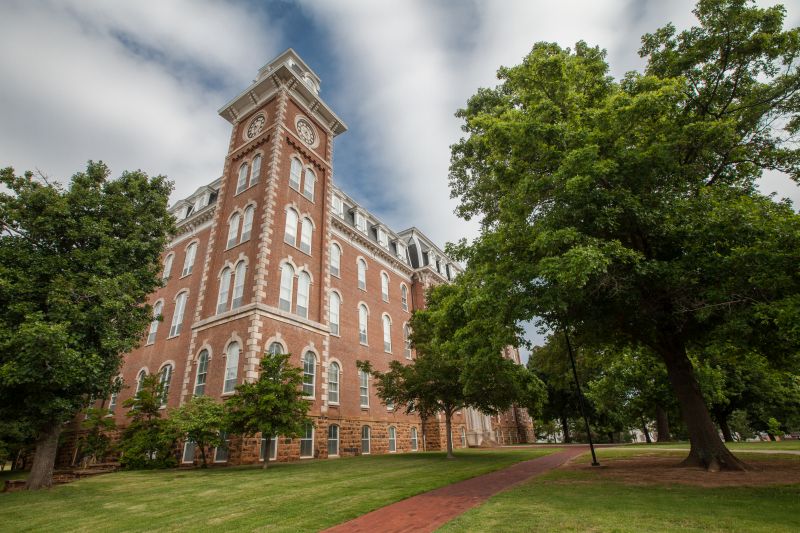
x=448, y=427
x=707, y=449
x=611, y=437
x=204, y=464
x=662, y=425
x=726, y=429
x=266, y=453
x=646, y=433
x=44, y=458
x=565, y=429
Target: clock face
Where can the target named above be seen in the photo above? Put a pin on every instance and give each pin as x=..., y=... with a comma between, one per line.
x=255, y=127
x=306, y=132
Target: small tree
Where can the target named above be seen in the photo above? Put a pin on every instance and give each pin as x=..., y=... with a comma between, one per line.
x=200, y=421
x=272, y=405
x=96, y=443
x=149, y=440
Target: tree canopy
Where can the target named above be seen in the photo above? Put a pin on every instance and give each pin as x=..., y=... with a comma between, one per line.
x=627, y=209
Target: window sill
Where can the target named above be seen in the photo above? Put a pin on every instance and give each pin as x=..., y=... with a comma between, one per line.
x=364, y=344
x=185, y=275
x=293, y=245
x=337, y=276
x=312, y=398
x=174, y=336
x=333, y=404
x=336, y=335
x=365, y=407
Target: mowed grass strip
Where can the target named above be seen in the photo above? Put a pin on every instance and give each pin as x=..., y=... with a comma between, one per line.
x=302, y=496
x=569, y=500
x=791, y=445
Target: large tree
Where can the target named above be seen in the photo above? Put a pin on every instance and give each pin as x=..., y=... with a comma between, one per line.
x=76, y=266
x=629, y=209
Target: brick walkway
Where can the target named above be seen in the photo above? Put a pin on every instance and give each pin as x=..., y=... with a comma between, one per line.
x=428, y=511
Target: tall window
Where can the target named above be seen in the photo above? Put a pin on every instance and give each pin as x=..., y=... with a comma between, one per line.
x=333, y=440
x=256, y=173
x=242, y=183
x=336, y=259
x=305, y=236
x=247, y=225
x=363, y=314
x=392, y=439
x=384, y=286
x=309, y=372
x=164, y=379
x=202, y=373
x=463, y=437
x=387, y=333
x=275, y=348
x=233, y=230
x=290, y=234
x=238, y=285
x=221, y=453
x=308, y=185
x=303, y=290
x=287, y=284
x=333, y=383
x=333, y=312
x=231, y=367
x=363, y=388
x=151, y=336
x=365, y=440
x=295, y=172
x=404, y=297
x=307, y=441
x=406, y=341
x=188, y=261
x=168, y=266
x=189, y=448
x=112, y=402
x=177, y=317
x=140, y=380
x=414, y=444
x=273, y=448
x=362, y=274
x=224, y=288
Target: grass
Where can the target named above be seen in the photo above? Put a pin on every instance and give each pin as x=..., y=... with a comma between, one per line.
x=733, y=446
x=568, y=500
x=304, y=496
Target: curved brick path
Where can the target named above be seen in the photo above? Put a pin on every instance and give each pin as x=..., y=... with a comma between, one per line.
x=428, y=511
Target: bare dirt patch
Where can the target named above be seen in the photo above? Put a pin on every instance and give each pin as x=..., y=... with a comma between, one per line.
x=653, y=470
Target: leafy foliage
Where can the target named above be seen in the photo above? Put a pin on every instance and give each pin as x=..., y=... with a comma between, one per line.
x=149, y=441
x=95, y=443
x=201, y=421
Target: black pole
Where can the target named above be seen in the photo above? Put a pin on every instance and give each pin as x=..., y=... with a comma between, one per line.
x=580, y=398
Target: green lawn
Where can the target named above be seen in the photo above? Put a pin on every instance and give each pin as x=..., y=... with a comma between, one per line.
x=782, y=445
x=305, y=496
x=565, y=500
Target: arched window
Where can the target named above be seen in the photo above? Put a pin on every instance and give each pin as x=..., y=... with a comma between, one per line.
x=309, y=372
x=202, y=373
x=362, y=274
x=231, y=367
x=414, y=444
x=406, y=341
x=363, y=388
x=287, y=284
x=151, y=336
x=303, y=290
x=333, y=312
x=247, y=225
x=404, y=297
x=290, y=234
x=336, y=259
x=384, y=286
x=177, y=316
x=392, y=439
x=233, y=230
x=238, y=285
x=164, y=379
x=242, y=183
x=463, y=437
x=363, y=314
x=167, y=266
x=387, y=334
x=333, y=383
x=140, y=380
x=333, y=440
x=256, y=173
x=188, y=262
x=305, y=236
x=275, y=348
x=307, y=441
x=224, y=288
x=365, y=434
x=295, y=172
x=309, y=183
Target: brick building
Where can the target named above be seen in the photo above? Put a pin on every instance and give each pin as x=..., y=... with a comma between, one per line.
x=272, y=256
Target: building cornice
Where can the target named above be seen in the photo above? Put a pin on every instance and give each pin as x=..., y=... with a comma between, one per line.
x=359, y=237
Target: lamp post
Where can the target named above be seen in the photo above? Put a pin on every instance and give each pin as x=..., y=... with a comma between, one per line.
x=580, y=397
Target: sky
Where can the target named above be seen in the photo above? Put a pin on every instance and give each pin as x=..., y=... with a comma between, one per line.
x=138, y=84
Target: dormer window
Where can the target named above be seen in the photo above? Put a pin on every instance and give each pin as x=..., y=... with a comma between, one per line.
x=189, y=211
x=361, y=222
x=401, y=251
x=383, y=239
x=338, y=206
